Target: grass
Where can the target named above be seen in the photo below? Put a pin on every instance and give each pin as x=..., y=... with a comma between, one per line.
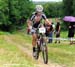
x=63, y=53
x=11, y=55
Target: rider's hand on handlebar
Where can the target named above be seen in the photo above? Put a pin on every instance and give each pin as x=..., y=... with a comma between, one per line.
x=30, y=27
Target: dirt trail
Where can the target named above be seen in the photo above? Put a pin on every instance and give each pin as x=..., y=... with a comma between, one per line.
x=39, y=62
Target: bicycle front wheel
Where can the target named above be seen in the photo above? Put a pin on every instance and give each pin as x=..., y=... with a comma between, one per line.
x=37, y=52
x=44, y=52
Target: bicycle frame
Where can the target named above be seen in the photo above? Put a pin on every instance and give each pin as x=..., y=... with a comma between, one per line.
x=41, y=44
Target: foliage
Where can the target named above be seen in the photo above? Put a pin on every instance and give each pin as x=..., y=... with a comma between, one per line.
x=53, y=9
x=4, y=11
x=68, y=9
x=14, y=13
x=73, y=7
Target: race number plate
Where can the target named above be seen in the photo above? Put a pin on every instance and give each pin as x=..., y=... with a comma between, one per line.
x=42, y=30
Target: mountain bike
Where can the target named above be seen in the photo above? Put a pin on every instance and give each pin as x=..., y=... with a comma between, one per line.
x=42, y=45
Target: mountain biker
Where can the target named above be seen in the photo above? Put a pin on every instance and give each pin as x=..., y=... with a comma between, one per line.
x=34, y=21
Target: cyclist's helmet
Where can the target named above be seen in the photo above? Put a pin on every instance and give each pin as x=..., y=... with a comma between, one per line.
x=39, y=8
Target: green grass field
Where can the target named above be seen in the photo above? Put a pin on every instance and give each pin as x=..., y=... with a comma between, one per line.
x=12, y=56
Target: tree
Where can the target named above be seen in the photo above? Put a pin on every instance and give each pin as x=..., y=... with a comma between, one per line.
x=68, y=9
x=11, y=11
x=53, y=9
x=3, y=11
x=20, y=8
x=73, y=7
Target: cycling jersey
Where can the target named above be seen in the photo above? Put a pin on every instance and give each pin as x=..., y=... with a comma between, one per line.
x=36, y=19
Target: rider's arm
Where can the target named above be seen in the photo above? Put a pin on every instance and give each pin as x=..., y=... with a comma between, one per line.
x=46, y=20
x=29, y=22
x=59, y=28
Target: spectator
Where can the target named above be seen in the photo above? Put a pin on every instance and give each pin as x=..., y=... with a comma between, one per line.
x=50, y=34
x=53, y=26
x=71, y=32
x=57, y=30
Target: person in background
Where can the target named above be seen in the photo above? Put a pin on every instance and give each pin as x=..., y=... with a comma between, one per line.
x=53, y=25
x=71, y=32
x=49, y=31
x=50, y=34
x=57, y=31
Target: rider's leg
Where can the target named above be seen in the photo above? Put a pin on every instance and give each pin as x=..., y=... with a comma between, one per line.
x=34, y=38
